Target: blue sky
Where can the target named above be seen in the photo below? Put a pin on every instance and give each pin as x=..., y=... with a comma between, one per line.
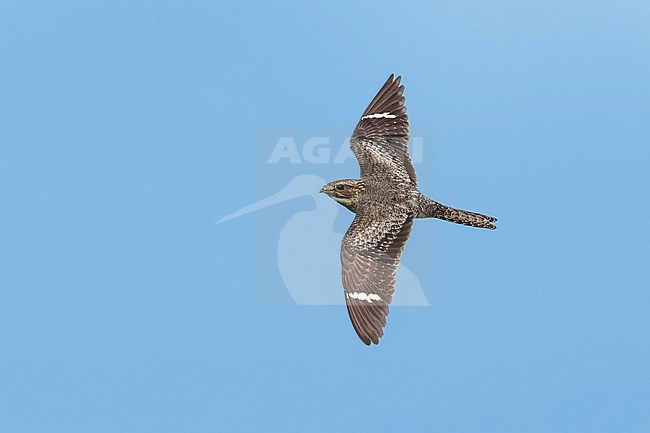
x=127, y=129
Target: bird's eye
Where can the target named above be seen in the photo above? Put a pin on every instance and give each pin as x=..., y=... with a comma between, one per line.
x=340, y=187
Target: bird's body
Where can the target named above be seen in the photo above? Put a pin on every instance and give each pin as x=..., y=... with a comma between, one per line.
x=359, y=195
x=385, y=200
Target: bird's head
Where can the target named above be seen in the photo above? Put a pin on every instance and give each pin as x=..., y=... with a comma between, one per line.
x=345, y=191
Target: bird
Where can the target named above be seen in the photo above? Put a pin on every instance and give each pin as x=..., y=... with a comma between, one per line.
x=385, y=201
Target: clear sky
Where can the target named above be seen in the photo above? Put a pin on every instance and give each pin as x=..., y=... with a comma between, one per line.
x=128, y=128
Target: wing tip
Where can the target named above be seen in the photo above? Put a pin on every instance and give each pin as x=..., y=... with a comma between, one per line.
x=390, y=97
x=369, y=333
x=369, y=340
x=394, y=80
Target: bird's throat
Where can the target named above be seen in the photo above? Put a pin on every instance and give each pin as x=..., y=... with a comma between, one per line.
x=345, y=202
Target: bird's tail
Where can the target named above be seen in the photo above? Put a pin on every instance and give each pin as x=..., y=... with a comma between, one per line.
x=432, y=209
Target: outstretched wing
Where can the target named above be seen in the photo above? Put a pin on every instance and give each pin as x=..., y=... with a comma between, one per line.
x=370, y=253
x=380, y=140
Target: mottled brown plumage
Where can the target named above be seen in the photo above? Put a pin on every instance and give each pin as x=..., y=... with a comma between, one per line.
x=385, y=200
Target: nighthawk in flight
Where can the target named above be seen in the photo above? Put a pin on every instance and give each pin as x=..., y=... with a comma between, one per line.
x=385, y=200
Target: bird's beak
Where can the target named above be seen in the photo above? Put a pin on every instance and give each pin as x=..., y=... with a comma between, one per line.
x=322, y=189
